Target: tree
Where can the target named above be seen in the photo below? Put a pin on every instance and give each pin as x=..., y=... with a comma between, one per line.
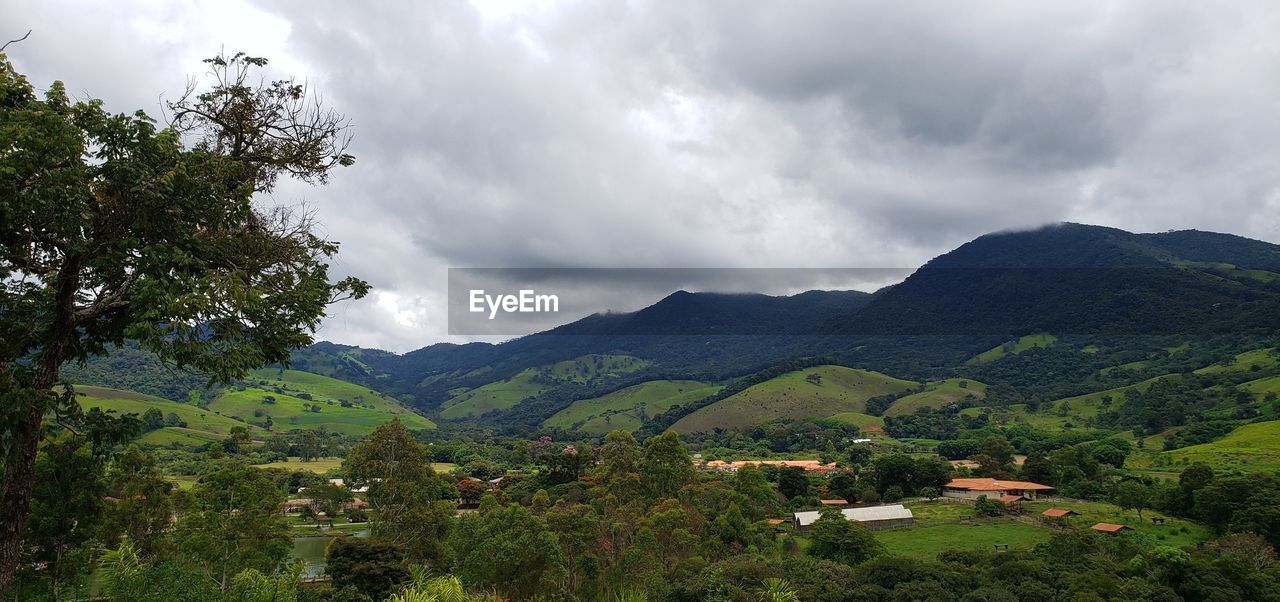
x=113, y=229
x=406, y=497
x=470, y=491
x=929, y=493
x=309, y=446
x=66, y=507
x=792, y=482
x=143, y=508
x=666, y=465
x=761, y=498
x=1132, y=494
x=372, y=567
x=510, y=549
x=329, y=497
x=841, y=540
x=235, y=525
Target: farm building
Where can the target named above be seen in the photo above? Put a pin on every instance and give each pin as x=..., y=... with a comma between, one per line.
x=834, y=502
x=813, y=466
x=874, y=517
x=993, y=488
x=1058, y=513
x=1109, y=528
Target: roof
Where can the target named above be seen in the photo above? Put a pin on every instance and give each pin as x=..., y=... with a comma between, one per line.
x=776, y=521
x=870, y=513
x=1057, y=512
x=1010, y=498
x=989, y=484
x=1109, y=527
x=809, y=465
x=834, y=502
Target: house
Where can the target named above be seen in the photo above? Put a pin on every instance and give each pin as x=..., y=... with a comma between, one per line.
x=974, y=488
x=814, y=466
x=834, y=502
x=1110, y=528
x=296, y=505
x=1058, y=513
x=873, y=517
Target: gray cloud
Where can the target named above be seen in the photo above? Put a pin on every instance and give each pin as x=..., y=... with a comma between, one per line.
x=720, y=134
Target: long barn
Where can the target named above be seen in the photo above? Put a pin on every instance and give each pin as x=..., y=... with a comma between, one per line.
x=873, y=517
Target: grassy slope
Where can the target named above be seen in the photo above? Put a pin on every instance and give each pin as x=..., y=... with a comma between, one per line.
x=620, y=410
x=1263, y=358
x=792, y=396
x=1251, y=447
x=1028, y=342
x=202, y=424
x=291, y=413
x=937, y=395
x=505, y=394
x=938, y=528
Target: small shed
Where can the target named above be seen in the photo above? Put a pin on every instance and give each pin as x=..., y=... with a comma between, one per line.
x=1058, y=513
x=1111, y=528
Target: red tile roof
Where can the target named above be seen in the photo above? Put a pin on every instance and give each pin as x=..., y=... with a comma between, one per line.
x=989, y=484
x=776, y=521
x=1057, y=512
x=1008, y=498
x=1109, y=527
x=835, y=502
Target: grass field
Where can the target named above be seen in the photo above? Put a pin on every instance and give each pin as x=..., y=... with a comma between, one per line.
x=1263, y=358
x=1018, y=414
x=927, y=541
x=622, y=409
x=318, y=465
x=505, y=394
x=1174, y=531
x=858, y=419
x=1263, y=386
x=1030, y=341
x=1090, y=404
x=201, y=423
x=793, y=395
x=939, y=527
x=937, y=395
x=291, y=413
x=171, y=435
x=1252, y=447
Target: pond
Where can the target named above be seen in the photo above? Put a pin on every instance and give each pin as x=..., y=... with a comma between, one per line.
x=310, y=550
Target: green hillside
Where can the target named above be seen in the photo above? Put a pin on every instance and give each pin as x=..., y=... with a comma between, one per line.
x=937, y=395
x=622, y=409
x=1262, y=358
x=1252, y=447
x=812, y=392
x=505, y=394
x=289, y=400
x=1030, y=341
x=1090, y=404
x=1263, y=387
x=203, y=425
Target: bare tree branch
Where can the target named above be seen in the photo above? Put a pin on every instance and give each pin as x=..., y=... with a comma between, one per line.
x=6, y=44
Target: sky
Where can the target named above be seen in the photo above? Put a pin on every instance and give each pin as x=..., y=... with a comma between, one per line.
x=717, y=134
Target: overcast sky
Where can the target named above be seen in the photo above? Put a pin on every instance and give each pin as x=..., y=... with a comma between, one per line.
x=718, y=134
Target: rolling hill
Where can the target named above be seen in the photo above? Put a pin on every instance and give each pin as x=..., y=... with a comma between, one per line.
x=505, y=394
x=1248, y=448
x=937, y=395
x=822, y=391
x=287, y=400
x=203, y=425
x=626, y=409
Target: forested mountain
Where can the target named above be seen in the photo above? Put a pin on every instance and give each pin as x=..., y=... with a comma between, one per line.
x=1112, y=298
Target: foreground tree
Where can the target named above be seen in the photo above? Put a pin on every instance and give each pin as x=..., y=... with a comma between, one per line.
x=113, y=229
x=235, y=526
x=411, y=505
